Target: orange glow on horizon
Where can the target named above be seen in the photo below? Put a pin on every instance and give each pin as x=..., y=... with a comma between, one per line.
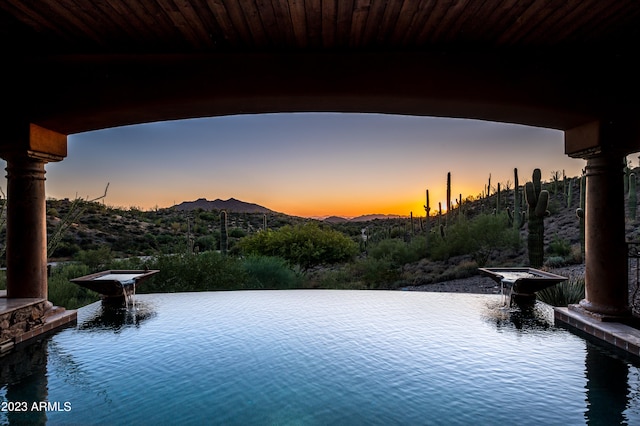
x=343, y=206
x=307, y=164
x=380, y=205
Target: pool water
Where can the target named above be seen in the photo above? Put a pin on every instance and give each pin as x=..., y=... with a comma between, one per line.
x=320, y=357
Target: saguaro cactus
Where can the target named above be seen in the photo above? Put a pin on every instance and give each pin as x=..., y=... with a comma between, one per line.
x=627, y=173
x=448, y=206
x=518, y=214
x=580, y=211
x=224, y=235
x=632, y=202
x=427, y=209
x=427, y=221
x=537, y=201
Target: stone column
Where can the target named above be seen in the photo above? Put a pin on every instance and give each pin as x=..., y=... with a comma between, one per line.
x=606, y=286
x=27, y=151
x=26, y=228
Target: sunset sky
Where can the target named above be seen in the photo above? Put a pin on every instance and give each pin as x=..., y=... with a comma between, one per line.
x=304, y=164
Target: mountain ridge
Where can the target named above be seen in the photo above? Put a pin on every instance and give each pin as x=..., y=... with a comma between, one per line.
x=239, y=206
x=231, y=204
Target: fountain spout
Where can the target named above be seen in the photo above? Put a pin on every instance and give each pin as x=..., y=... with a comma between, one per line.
x=523, y=283
x=114, y=285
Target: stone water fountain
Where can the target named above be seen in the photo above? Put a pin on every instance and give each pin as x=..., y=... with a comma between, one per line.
x=114, y=285
x=522, y=283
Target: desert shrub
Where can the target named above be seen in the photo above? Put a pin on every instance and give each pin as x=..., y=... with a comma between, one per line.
x=207, y=242
x=576, y=254
x=202, y=272
x=62, y=292
x=555, y=261
x=305, y=245
x=339, y=279
x=466, y=268
x=269, y=272
x=207, y=216
x=478, y=237
x=65, y=249
x=397, y=232
x=130, y=263
x=96, y=260
x=374, y=273
x=559, y=247
x=396, y=251
x=237, y=233
x=566, y=293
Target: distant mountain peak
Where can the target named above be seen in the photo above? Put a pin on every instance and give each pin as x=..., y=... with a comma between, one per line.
x=231, y=204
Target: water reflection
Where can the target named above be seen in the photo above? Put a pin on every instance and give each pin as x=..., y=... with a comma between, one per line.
x=23, y=381
x=607, y=387
x=23, y=371
x=611, y=393
x=117, y=317
x=531, y=317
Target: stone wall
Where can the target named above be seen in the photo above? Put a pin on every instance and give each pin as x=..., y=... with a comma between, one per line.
x=21, y=320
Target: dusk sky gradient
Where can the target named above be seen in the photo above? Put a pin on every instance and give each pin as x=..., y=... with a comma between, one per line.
x=304, y=164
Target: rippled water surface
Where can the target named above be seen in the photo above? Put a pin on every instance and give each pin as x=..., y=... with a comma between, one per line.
x=323, y=357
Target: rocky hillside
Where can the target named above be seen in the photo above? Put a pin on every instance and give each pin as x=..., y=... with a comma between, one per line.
x=132, y=232
x=196, y=225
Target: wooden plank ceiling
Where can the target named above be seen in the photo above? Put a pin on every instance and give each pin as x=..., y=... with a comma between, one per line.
x=189, y=26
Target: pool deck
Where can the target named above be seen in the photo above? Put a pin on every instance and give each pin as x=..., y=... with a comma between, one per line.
x=618, y=334
x=54, y=318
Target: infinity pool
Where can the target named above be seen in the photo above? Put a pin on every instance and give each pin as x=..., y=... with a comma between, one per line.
x=318, y=357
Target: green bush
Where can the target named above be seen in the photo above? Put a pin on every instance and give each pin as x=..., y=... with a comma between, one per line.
x=65, y=249
x=270, y=272
x=559, y=247
x=237, y=233
x=305, y=245
x=372, y=273
x=202, y=272
x=398, y=251
x=62, y=292
x=555, y=261
x=465, y=269
x=478, y=237
x=207, y=242
x=97, y=259
x=341, y=279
